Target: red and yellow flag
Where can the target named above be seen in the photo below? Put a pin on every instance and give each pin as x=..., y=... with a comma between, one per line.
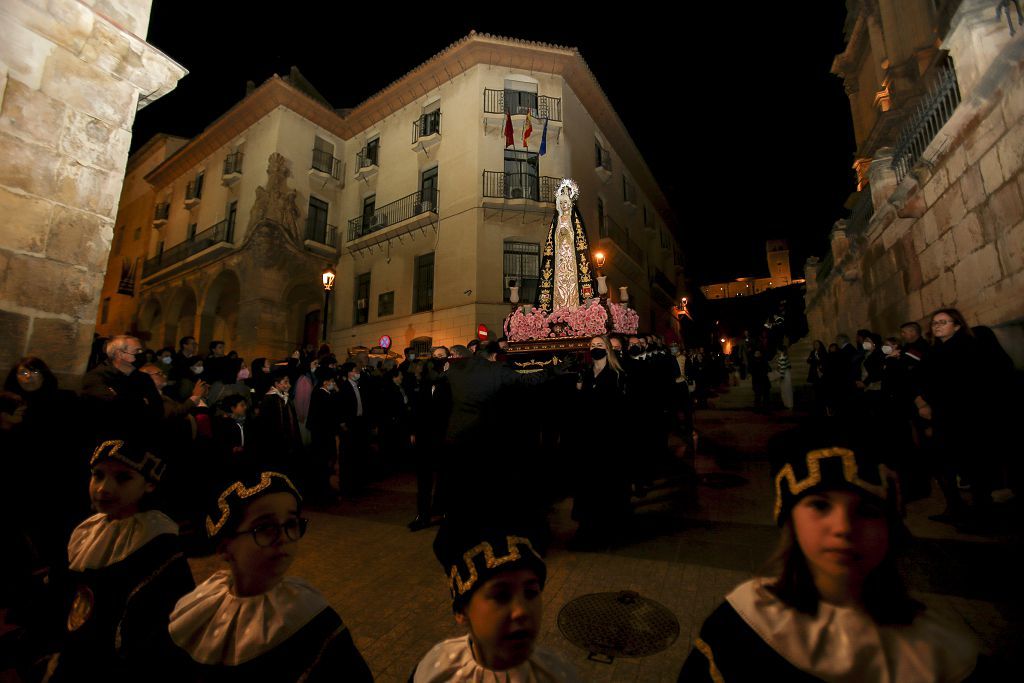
x=510, y=140
x=527, y=130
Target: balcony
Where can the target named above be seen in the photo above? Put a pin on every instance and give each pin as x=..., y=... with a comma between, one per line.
x=623, y=243
x=934, y=110
x=326, y=167
x=193, y=193
x=160, y=214
x=366, y=162
x=320, y=235
x=664, y=282
x=603, y=164
x=426, y=131
x=400, y=217
x=518, y=103
x=508, y=186
x=220, y=233
x=232, y=169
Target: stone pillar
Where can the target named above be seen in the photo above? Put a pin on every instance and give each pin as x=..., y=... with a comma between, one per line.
x=840, y=242
x=72, y=76
x=881, y=178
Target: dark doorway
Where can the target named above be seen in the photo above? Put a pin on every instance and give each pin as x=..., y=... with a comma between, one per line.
x=311, y=328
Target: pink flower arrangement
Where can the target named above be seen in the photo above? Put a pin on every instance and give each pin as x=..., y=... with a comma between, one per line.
x=582, y=321
x=624, y=319
x=533, y=325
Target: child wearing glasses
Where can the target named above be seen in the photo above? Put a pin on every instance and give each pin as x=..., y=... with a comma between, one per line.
x=250, y=621
x=126, y=570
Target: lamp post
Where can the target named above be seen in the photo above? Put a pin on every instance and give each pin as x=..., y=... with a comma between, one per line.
x=328, y=280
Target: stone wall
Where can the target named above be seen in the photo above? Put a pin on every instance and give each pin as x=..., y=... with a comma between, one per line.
x=72, y=76
x=951, y=234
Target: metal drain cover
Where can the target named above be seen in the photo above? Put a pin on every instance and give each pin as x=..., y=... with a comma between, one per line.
x=622, y=624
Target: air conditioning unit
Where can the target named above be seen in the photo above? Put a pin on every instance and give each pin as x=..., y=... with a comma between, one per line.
x=515, y=193
x=373, y=222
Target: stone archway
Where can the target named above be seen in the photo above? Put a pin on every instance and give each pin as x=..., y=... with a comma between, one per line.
x=219, y=317
x=151, y=323
x=302, y=300
x=180, y=318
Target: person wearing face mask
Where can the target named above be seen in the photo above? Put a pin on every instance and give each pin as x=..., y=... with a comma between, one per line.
x=870, y=373
x=601, y=491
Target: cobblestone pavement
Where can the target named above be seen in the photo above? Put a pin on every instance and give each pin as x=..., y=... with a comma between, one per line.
x=691, y=540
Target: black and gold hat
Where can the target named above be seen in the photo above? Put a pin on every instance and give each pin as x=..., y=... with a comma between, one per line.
x=823, y=462
x=145, y=463
x=229, y=506
x=470, y=554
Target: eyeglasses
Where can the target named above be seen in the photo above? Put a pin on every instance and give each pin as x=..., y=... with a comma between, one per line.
x=134, y=352
x=28, y=372
x=268, y=533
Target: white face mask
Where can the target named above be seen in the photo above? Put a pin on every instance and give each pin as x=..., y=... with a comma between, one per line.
x=166, y=360
x=887, y=350
x=243, y=373
x=355, y=377
x=197, y=369
x=868, y=346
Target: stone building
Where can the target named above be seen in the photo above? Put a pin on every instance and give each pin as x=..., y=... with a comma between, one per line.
x=937, y=95
x=412, y=196
x=72, y=75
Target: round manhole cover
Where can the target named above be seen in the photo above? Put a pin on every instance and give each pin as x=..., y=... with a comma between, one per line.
x=620, y=624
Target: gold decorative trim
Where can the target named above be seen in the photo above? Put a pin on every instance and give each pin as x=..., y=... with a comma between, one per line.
x=156, y=471
x=238, y=487
x=460, y=587
x=814, y=459
x=705, y=649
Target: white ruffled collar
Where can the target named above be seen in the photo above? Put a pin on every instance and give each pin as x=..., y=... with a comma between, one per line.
x=452, y=660
x=216, y=627
x=100, y=541
x=845, y=644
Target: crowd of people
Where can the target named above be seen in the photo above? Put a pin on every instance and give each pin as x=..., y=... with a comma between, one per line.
x=166, y=454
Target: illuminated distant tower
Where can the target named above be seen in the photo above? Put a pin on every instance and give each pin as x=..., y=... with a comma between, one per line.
x=778, y=262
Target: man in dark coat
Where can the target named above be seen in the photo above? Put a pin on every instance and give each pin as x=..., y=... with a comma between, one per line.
x=355, y=438
x=120, y=400
x=277, y=440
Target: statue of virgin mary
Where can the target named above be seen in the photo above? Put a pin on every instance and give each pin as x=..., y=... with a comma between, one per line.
x=566, y=273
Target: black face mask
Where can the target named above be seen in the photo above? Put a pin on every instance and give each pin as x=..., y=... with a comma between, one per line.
x=634, y=350
x=439, y=364
x=598, y=354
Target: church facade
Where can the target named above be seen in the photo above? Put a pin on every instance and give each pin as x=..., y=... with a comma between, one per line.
x=414, y=197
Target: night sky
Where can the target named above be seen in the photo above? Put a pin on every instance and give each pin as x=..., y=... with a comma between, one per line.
x=732, y=104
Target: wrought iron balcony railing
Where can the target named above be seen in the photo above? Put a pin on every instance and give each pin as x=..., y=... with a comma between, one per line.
x=162, y=211
x=520, y=186
x=428, y=124
x=324, y=233
x=620, y=236
x=220, y=232
x=325, y=162
x=368, y=156
x=193, y=190
x=519, y=102
x=935, y=108
x=397, y=211
x=233, y=163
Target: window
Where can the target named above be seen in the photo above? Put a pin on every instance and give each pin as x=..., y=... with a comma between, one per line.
x=522, y=175
x=602, y=157
x=323, y=155
x=368, y=208
x=385, y=304
x=372, y=150
x=192, y=228
x=520, y=97
x=316, y=220
x=362, y=298
x=430, y=122
x=105, y=312
x=602, y=224
x=428, y=190
x=421, y=345
x=522, y=264
x=628, y=194
x=232, y=216
x=423, y=286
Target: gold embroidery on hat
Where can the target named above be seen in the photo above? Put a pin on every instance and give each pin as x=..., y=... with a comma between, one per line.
x=814, y=459
x=156, y=465
x=460, y=587
x=243, y=493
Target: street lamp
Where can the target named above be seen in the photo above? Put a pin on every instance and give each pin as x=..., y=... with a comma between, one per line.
x=328, y=280
x=602, y=281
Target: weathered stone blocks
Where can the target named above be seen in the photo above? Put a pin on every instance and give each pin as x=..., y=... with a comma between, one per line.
x=968, y=235
x=92, y=142
x=991, y=170
x=31, y=115
x=1011, y=250
x=972, y=188
x=25, y=222
x=29, y=168
x=36, y=283
x=88, y=188
x=79, y=238
x=13, y=330
x=931, y=263
x=65, y=344
x=1011, y=150
x=1003, y=211
x=90, y=90
x=24, y=52
x=978, y=269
